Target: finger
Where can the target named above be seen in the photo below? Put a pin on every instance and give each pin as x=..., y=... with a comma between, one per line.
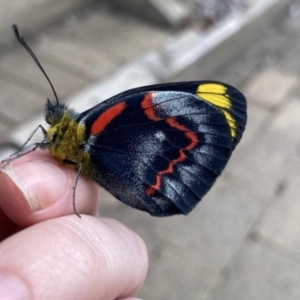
x=35, y=188
x=72, y=258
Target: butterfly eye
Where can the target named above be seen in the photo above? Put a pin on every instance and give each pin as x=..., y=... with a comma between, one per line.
x=54, y=112
x=53, y=118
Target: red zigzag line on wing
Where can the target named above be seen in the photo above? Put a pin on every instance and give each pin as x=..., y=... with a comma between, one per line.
x=148, y=107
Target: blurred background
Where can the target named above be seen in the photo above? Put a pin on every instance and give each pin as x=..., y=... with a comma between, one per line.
x=243, y=240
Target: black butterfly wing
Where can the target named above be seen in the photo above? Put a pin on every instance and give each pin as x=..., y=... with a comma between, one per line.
x=160, y=148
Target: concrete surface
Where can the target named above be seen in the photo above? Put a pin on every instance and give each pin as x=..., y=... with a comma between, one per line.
x=34, y=15
x=75, y=54
x=242, y=241
x=163, y=13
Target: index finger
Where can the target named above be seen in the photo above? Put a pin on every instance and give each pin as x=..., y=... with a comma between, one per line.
x=36, y=187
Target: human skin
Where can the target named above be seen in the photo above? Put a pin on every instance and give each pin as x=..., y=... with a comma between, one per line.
x=47, y=252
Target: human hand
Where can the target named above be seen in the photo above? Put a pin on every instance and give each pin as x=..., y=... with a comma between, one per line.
x=47, y=252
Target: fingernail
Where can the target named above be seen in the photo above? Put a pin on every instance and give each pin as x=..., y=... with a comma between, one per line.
x=12, y=289
x=41, y=183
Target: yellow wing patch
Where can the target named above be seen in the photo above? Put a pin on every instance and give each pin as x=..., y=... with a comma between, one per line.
x=216, y=94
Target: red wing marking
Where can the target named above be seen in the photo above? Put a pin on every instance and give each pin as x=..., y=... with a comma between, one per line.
x=147, y=105
x=192, y=137
x=106, y=117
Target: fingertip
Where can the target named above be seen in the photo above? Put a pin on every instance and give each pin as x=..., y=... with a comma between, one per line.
x=12, y=287
x=136, y=248
x=93, y=258
x=140, y=247
x=35, y=188
x=34, y=180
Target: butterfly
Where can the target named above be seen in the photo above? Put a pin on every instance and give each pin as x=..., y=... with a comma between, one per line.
x=156, y=148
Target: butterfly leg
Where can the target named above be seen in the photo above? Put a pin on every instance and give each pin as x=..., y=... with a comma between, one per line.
x=79, y=166
x=25, y=149
x=32, y=134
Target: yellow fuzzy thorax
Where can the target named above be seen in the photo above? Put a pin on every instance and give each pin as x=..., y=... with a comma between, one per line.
x=66, y=139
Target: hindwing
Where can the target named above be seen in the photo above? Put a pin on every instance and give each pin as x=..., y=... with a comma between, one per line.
x=160, y=148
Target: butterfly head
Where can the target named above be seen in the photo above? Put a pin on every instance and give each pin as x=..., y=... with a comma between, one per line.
x=54, y=112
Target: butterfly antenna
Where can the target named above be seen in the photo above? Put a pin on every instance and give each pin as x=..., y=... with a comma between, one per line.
x=24, y=44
